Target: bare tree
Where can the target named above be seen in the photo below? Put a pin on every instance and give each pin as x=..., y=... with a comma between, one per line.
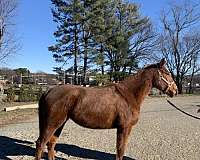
x=143, y=44
x=194, y=69
x=179, y=43
x=8, y=43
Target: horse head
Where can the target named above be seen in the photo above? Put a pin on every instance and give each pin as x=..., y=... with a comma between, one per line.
x=163, y=80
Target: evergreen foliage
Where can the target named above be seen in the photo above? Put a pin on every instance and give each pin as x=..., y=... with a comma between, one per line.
x=109, y=35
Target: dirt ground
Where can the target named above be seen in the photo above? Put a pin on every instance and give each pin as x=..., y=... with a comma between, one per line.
x=15, y=116
x=162, y=133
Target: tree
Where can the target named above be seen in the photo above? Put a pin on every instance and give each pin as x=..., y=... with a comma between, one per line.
x=8, y=43
x=104, y=33
x=23, y=76
x=195, y=64
x=66, y=15
x=178, y=43
x=103, y=22
x=142, y=46
x=130, y=41
x=22, y=71
x=8, y=73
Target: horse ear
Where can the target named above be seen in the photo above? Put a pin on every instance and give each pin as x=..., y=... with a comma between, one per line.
x=162, y=63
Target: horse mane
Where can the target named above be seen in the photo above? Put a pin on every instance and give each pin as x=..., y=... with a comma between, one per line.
x=131, y=77
x=152, y=66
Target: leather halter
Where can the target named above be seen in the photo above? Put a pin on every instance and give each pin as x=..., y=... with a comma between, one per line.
x=169, y=84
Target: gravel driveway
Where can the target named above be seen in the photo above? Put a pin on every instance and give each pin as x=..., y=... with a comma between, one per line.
x=162, y=133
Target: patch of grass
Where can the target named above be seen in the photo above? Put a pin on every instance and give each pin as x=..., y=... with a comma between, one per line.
x=16, y=116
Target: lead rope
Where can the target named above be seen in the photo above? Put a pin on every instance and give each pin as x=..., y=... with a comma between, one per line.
x=173, y=105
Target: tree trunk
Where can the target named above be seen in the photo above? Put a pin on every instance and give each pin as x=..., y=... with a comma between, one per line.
x=85, y=62
x=180, y=88
x=130, y=70
x=179, y=84
x=111, y=72
x=85, y=68
x=191, y=79
x=102, y=69
x=102, y=56
x=75, y=54
x=75, y=68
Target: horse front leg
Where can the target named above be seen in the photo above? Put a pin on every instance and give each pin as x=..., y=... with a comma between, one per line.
x=50, y=146
x=122, y=138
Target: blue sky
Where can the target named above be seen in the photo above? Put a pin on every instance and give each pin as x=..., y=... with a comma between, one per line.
x=35, y=29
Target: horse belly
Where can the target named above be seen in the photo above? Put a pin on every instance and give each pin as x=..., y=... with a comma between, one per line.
x=95, y=116
x=94, y=123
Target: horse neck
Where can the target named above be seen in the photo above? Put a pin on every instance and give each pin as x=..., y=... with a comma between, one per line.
x=139, y=85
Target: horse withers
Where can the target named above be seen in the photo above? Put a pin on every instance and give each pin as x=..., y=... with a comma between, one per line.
x=115, y=106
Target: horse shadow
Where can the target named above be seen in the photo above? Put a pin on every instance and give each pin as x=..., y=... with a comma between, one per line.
x=15, y=147
x=84, y=153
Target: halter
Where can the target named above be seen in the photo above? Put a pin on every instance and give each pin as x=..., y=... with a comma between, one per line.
x=169, y=84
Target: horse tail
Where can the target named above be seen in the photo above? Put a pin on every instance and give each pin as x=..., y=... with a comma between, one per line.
x=42, y=113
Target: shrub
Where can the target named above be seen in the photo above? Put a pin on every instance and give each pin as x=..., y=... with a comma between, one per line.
x=31, y=94
x=39, y=93
x=22, y=94
x=102, y=79
x=10, y=95
x=26, y=94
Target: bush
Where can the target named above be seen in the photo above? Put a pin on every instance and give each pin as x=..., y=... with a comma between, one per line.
x=10, y=94
x=102, y=79
x=39, y=93
x=31, y=94
x=26, y=94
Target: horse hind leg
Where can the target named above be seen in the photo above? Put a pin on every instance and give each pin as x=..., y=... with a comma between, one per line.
x=51, y=128
x=52, y=142
x=42, y=140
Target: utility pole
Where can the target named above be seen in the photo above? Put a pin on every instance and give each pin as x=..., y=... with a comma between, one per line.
x=21, y=79
x=12, y=80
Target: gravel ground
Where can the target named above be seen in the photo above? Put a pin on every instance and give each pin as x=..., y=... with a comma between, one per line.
x=162, y=133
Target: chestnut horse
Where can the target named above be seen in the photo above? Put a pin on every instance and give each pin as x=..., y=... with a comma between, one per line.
x=116, y=106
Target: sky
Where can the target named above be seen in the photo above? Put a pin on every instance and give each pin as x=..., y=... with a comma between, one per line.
x=35, y=27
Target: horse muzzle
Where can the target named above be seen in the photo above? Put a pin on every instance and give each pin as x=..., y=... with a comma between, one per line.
x=171, y=90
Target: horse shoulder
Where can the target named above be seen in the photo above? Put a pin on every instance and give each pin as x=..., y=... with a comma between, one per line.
x=130, y=111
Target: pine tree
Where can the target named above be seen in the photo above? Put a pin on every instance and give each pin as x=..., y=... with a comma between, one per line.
x=102, y=23
x=66, y=14
x=100, y=32
x=126, y=24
